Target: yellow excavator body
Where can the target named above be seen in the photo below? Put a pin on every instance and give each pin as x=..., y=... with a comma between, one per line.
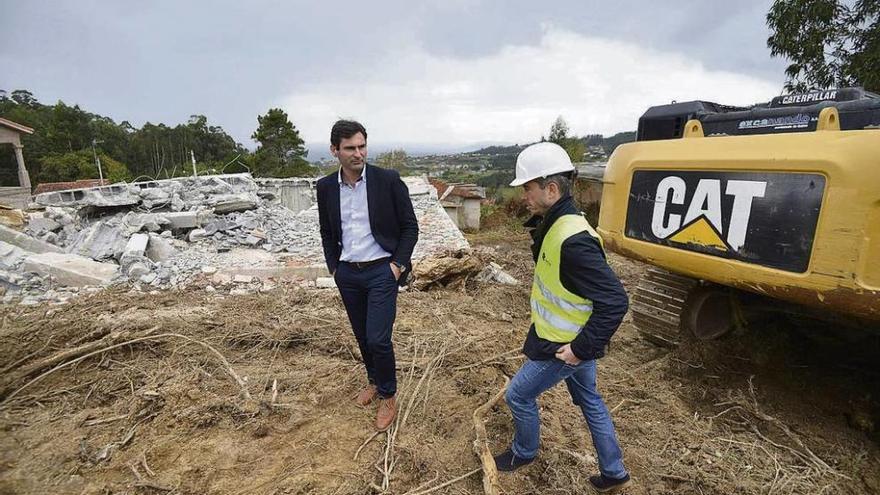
x=793, y=216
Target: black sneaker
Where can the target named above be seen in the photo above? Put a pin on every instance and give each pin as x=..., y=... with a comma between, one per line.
x=509, y=462
x=604, y=484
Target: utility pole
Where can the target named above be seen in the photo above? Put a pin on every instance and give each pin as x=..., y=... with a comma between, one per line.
x=98, y=160
x=193, y=158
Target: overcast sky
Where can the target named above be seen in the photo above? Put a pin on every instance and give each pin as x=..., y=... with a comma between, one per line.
x=445, y=73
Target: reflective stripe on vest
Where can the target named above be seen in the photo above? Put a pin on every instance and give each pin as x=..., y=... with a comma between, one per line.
x=558, y=314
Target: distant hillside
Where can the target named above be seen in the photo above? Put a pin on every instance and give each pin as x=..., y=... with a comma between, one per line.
x=608, y=143
x=616, y=140
x=500, y=150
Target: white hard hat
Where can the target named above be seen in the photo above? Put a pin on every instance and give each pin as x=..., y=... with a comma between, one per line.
x=541, y=160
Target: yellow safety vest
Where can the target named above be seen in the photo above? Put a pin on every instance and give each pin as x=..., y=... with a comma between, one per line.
x=558, y=314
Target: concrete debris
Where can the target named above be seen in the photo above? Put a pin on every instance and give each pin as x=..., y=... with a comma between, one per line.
x=253, y=240
x=60, y=215
x=172, y=233
x=295, y=194
x=494, y=273
x=26, y=242
x=325, y=283
x=219, y=225
x=231, y=203
x=159, y=249
x=136, y=247
x=11, y=256
x=11, y=217
x=107, y=196
x=137, y=222
x=11, y=280
x=155, y=196
x=41, y=225
x=196, y=235
x=103, y=240
x=137, y=270
x=70, y=269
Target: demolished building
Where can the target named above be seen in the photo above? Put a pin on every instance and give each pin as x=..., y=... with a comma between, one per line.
x=229, y=229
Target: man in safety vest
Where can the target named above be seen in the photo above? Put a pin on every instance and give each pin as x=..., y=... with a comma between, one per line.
x=577, y=304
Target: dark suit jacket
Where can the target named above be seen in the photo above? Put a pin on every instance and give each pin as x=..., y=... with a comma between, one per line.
x=392, y=219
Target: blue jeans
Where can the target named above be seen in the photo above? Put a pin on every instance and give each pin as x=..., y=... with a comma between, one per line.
x=370, y=299
x=537, y=376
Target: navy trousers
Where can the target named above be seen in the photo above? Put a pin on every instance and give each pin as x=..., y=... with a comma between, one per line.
x=370, y=299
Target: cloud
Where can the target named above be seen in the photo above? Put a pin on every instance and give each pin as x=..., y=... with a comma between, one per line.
x=514, y=94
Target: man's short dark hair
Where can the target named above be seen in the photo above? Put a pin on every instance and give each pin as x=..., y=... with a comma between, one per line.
x=344, y=129
x=562, y=181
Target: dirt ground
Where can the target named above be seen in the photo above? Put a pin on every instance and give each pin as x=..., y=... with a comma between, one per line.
x=196, y=393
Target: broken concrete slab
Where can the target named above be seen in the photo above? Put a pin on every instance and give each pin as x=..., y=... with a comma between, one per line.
x=253, y=240
x=39, y=225
x=136, y=247
x=27, y=242
x=151, y=222
x=10, y=280
x=159, y=249
x=105, y=196
x=229, y=203
x=101, y=241
x=154, y=196
x=219, y=225
x=325, y=283
x=70, y=269
x=177, y=204
x=183, y=219
x=11, y=256
x=196, y=234
x=137, y=270
x=60, y=215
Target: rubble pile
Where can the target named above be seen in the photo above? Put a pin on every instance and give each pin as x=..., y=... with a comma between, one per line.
x=229, y=230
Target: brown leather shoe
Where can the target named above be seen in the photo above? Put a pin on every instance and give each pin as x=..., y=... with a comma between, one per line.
x=387, y=413
x=365, y=396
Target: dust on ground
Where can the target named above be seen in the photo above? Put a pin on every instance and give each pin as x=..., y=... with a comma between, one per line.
x=252, y=394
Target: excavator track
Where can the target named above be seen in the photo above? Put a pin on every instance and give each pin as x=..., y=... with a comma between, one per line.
x=658, y=303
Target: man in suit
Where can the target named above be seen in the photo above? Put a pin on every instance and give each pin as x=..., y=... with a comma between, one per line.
x=368, y=231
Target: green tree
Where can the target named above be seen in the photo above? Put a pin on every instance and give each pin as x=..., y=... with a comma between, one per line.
x=154, y=151
x=829, y=42
x=66, y=167
x=23, y=97
x=395, y=160
x=575, y=147
x=558, y=131
x=281, y=152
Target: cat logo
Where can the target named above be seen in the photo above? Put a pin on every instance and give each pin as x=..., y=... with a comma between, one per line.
x=768, y=218
x=703, y=223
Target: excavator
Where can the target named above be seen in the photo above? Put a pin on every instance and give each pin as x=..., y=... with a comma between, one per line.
x=741, y=212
